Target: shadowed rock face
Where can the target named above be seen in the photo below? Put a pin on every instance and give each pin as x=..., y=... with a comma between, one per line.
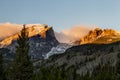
x=41, y=40
x=41, y=46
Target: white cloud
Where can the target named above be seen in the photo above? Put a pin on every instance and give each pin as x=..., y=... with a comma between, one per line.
x=73, y=34
x=7, y=29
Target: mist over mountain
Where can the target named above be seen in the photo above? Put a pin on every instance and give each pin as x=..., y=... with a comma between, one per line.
x=73, y=34
x=8, y=29
x=65, y=36
x=44, y=41
x=69, y=36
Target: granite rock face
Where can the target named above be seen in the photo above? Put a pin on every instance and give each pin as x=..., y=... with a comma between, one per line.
x=100, y=36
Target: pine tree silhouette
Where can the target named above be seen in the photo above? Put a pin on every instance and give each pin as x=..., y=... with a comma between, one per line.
x=118, y=66
x=2, y=74
x=23, y=68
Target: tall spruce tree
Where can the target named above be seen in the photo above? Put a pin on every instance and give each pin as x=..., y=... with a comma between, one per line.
x=118, y=66
x=2, y=75
x=23, y=68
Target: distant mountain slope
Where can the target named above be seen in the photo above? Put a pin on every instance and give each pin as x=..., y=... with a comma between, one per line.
x=100, y=36
x=85, y=57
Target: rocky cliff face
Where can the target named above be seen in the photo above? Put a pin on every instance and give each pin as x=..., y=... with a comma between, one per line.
x=101, y=36
x=41, y=39
x=41, y=46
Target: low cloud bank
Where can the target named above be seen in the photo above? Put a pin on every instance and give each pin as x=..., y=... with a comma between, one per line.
x=7, y=29
x=73, y=34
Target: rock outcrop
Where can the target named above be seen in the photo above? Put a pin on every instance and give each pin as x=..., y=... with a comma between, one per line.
x=101, y=36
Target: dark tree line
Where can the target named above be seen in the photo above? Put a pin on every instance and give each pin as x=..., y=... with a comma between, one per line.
x=2, y=73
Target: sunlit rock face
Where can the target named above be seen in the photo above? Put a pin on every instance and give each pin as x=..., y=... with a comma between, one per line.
x=101, y=36
x=41, y=39
x=33, y=30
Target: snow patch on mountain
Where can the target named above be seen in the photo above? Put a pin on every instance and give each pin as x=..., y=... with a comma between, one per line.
x=61, y=48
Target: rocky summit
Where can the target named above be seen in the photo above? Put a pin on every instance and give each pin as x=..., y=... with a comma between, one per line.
x=101, y=36
x=41, y=40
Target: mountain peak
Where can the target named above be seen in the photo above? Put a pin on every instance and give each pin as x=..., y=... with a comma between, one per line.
x=103, y=36
x=33, y=30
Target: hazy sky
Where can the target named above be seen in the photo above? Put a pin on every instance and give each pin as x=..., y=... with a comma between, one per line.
x=62, y=14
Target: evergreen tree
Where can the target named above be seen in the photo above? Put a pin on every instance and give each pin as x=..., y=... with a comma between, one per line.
x=2, y=75
x=23, y=68
x=118, y=66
